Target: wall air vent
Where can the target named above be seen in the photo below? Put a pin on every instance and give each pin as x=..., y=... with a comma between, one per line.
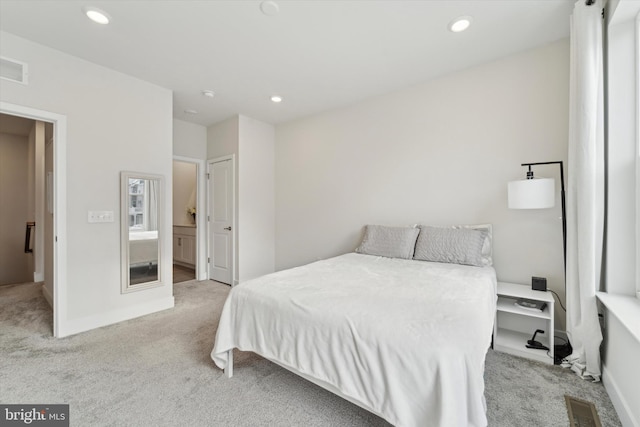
x=13, y=70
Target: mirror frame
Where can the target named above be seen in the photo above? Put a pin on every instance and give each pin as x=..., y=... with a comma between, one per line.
x=126, y=285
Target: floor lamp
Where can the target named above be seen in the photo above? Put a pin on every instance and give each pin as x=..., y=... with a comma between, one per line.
x=539, y=193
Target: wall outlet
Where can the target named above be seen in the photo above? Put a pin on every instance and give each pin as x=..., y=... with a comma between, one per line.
x=100, y=216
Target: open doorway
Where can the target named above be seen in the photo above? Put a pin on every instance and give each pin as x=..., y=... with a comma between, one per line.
x=26, y=208
x=185, y=213
x=52, y=182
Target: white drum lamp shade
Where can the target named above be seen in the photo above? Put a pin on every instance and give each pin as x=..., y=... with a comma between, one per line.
x=536, y=193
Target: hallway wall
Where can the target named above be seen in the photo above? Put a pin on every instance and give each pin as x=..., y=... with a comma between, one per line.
x=14, y=209
x=184, y=191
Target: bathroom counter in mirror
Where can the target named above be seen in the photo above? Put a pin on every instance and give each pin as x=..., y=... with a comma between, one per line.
x=184, y=245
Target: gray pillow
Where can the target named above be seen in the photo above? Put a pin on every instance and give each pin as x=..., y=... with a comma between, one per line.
x=391, y=242
x=487, y=247
x=452, y=245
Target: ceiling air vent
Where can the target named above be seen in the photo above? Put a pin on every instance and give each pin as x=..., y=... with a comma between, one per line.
x=13, y=70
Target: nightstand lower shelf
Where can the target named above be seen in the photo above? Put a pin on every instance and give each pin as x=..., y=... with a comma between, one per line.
x=514, y=342
x=515, y=325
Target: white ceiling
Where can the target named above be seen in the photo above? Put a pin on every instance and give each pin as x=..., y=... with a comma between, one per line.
x=318, y=55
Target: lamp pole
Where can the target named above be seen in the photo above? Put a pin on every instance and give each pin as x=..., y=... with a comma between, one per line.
x=564, y=219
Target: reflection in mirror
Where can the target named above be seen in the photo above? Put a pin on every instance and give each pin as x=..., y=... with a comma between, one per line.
x=140, y=231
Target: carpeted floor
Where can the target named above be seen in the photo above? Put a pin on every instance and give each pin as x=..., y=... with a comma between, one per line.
x=156, y=371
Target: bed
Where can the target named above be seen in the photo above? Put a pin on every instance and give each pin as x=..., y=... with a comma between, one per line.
x=143, y=247
x=405, y=339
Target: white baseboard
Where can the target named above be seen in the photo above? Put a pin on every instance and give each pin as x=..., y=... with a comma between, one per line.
x=618, y=400
x=47, y=295
x=75, y=326
x=38, y=277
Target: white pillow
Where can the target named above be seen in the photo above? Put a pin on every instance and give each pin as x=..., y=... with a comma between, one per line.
x=391, y=242
x=460, y=245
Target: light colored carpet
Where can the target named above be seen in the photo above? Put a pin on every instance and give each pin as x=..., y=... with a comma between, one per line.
x=156, y=370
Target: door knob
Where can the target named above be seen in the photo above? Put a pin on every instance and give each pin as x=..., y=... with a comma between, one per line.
x=228, y=228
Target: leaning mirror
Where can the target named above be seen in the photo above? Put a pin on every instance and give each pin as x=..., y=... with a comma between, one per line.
x=140, y=227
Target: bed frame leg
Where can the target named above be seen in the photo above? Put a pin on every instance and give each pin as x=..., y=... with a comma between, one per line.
x=228, y=371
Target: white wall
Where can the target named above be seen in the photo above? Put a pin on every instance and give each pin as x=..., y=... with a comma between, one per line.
x=184, y=191
x=189, y=140
x=114, y=123
x=438, y=153
x=622, y=142
x=620, y=373
x=14, y=208
x=222, y=138
x=256, y=216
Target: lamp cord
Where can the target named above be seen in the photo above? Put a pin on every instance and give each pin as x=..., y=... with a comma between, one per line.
x=559, y=301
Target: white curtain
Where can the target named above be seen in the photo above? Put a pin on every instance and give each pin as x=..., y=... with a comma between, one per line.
x=585, y=195
x=152, y=204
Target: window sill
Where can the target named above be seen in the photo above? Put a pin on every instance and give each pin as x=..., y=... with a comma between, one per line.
x=626, y=308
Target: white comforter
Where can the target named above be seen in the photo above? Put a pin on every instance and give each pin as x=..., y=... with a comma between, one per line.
x=143, y=247
x=405, y=339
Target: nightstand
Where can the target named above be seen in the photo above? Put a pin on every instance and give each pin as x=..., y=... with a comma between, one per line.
x=515, y=325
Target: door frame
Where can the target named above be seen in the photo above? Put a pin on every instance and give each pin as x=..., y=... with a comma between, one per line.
x=234, y=227
x=59, y=206
x=201, y=201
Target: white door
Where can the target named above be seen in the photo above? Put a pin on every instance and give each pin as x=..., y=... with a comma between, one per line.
x=221, y=221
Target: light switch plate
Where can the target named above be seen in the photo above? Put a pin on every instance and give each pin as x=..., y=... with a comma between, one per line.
x=100, y=216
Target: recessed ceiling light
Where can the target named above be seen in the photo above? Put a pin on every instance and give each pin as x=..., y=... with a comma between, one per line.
x=97, y=15
x=208, y=93
x=276, y=98
x=269, y=8
x=460, y=24
x=191, y=111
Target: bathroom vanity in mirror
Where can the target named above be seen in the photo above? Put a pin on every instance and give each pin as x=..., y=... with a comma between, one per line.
x=184, y=245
